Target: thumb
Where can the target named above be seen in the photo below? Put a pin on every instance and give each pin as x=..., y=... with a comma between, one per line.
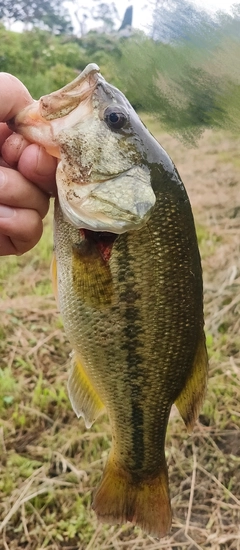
x=14, y=96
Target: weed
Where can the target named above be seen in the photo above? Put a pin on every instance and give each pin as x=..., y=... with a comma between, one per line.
x=50, y=464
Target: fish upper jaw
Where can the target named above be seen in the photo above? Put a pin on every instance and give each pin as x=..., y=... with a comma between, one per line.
x=42, y=121
x=59, y=104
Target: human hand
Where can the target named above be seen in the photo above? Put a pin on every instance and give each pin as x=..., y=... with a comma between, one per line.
x=27, y=176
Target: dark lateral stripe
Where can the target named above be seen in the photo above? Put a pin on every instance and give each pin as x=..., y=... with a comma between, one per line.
x=133, y=344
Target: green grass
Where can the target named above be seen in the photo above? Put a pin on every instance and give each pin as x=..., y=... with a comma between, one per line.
x=50, y=464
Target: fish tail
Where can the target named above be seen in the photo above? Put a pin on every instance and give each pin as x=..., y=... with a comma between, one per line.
x=145, y=503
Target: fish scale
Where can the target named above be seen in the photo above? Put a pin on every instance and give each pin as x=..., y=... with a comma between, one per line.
x=154, y=316
x=128, y=277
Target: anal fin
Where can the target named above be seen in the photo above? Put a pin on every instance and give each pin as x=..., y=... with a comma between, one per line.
x=190, y=400
x=83, y=396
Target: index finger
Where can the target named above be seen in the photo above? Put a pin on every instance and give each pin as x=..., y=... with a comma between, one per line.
x=14, y=96
x=5, y=132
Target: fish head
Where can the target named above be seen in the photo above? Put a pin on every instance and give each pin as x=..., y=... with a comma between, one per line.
x=103, y=181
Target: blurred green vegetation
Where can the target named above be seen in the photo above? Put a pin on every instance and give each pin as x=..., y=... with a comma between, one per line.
x=187, y=86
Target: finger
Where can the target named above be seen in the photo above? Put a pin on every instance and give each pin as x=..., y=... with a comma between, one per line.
x=3, y=163
x=4, y=133
x=32, y=160
x=20, y=232
x=36, y=165
x=12, y=148
x=14, y=96
x=17, y=192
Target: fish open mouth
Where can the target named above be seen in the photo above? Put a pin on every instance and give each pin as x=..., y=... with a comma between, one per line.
x=102, y=240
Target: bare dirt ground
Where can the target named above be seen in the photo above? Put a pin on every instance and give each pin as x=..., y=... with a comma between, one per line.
x=50, y=463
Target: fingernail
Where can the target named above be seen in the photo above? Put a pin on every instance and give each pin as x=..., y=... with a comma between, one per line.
x=6, y=211
x=46, y=164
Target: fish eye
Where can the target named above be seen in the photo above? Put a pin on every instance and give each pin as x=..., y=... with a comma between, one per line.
x=115, y=118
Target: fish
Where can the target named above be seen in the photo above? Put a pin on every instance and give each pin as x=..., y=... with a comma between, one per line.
x=128, y=279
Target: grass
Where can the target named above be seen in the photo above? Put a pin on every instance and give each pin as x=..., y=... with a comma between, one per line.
x=50, y=463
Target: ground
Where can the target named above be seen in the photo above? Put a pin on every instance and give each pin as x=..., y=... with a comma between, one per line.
x=50, y=463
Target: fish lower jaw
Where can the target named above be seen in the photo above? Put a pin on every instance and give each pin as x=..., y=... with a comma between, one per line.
x=97, y=221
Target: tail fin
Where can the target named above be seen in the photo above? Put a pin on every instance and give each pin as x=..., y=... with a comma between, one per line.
x=145, y=503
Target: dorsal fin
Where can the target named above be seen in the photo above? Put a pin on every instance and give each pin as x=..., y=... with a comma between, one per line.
x=190, y=400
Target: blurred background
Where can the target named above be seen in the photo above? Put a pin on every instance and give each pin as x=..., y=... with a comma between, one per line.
x=176, y=60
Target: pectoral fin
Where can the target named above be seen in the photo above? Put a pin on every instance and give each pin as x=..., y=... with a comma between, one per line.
x=83, y=396
x=191, y=397
x=92, y=278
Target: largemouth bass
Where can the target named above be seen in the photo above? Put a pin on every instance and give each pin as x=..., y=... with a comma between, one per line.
x=128, y=277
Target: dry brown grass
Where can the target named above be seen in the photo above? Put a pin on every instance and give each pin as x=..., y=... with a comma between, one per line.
x=50, y=463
